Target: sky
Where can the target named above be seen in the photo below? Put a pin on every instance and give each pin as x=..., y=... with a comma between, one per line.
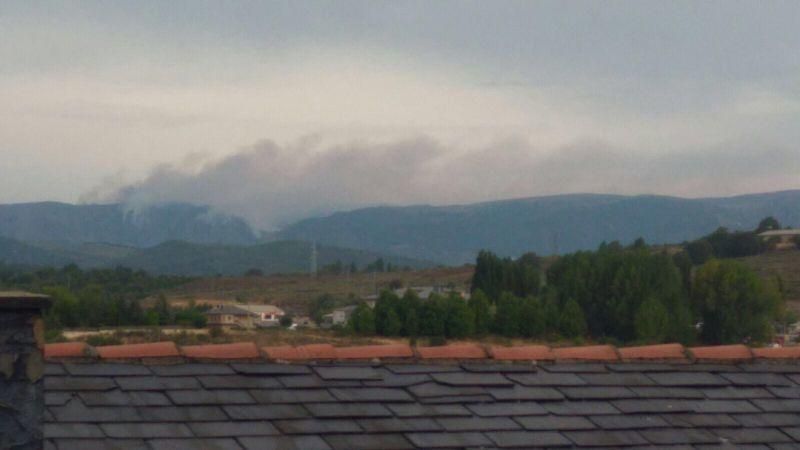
x=277, y=111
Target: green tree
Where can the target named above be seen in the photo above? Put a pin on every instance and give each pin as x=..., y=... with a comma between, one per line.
x=767, y=224
x=507, y=315
x=700, y=251
x=735, y=306
x=432, y=317
x=573, y=321
x=481, y=312
x=532, y=320
x=459, y=321
x=362, y=320
x=652, y=322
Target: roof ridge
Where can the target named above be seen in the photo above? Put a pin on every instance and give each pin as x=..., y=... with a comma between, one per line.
x=669, y=353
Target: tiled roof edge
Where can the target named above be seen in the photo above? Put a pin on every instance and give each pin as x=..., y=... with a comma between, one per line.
x=670, y=353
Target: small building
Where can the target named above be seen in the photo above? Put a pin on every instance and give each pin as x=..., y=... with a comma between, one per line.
x=781, y=239
x=244, y=316
x=339, y=316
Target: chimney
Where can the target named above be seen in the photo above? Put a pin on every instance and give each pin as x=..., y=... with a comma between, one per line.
x=21, y=369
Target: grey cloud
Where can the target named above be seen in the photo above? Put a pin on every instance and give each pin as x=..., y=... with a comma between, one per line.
x=272, y=185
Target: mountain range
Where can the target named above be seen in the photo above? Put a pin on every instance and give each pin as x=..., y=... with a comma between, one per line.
x=194, y=240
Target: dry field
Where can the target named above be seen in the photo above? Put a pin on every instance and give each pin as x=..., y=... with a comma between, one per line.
x=293, y=292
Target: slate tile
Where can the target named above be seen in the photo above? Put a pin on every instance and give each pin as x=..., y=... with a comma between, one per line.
x=520, y=393
x=194, y=444
x=438, y=390
x=477, y=423
x=574, y=368
x=76, y=411
x=100, y=444
x=152, y=383
x=771, y=368
x=792, y=432
x=395, y=425
x=778, y=405
x=56, y=398
x=347, y=373
x=78, y=384
x=206, y=397
x=464, y=399
x=706, y=367
x=580, y=408
x=555, y=423
x=119, y=398
x=292, y=396
x=508, y=409
x=366, y=394
x=756, y=379
x=547, y=379
x=688, y=379
x=679, y=436
x=349, y=410
x=284, y=443
x=51, y=369
x=459, y=379
x=625, y=379
x=499, y=368
x=767, y=419
x=785, y=392
x=232, y=429
x=391, y=379
x=317, y=426
x=605, y=438
x=628, y=422
x=597, y=392
x=448, y=440
x=107, y=370
x=724, y=406
x=654, y=406
x=237, y=382
x=667, y=392
x=693, y=420
x=422, y=368
x=527, y=439
x=270, y=369
x=369, y=442
x=733, y=393
x=182, y=370
x=72, y=431
x=417, y=410
x=265, y=412
x=181, y=414
x=146, y=430
x=753, y=435
x=781, y=447
x=313, y=381
x=795, y=378
x=641, y=367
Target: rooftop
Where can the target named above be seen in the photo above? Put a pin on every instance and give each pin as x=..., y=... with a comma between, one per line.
x=237, y=396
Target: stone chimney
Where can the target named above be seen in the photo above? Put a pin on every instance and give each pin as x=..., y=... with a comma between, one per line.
x=21, y=369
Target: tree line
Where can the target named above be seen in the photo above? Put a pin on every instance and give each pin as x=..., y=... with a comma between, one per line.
x=616, y=293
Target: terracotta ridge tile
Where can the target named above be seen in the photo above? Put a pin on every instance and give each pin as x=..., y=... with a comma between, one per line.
x=300, y=353
x=67, y=350
x=522, y=353
x=237, y=350
x=165, y=349
x=791, y=352
x=736, y=352
x=600, y=353
x=653, y=352
x=375, y=351
x=453, y=351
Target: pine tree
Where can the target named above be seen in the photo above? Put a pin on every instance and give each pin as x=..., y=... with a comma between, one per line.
x=573, y=321
x=481, y=312
x=652, y=322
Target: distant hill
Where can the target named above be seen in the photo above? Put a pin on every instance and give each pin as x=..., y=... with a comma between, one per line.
x=184, y=258
x=115, y=224
x=562, y=223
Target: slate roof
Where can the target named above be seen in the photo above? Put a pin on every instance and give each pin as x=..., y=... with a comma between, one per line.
x=158, y=396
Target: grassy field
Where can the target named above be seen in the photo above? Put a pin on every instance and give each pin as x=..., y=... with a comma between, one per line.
x=786, y=265
x=293, y=292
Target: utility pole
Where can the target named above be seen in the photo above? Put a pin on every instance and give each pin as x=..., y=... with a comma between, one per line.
x=313, y=268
